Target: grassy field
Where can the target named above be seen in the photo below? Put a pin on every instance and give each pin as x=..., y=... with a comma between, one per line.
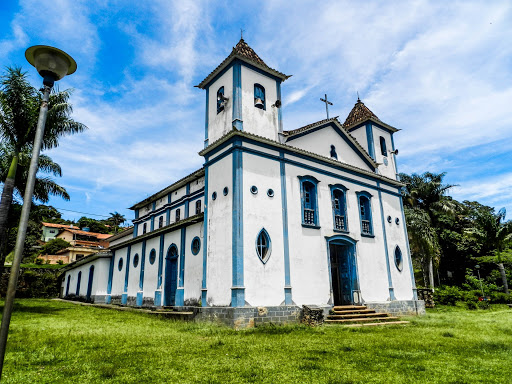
x=57, y=342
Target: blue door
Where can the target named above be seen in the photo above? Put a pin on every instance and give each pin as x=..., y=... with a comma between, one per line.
x=171, y=276
x=89, y=285
x=343, y=274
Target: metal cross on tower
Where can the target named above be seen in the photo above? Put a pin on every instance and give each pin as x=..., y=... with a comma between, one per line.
x=327, y=103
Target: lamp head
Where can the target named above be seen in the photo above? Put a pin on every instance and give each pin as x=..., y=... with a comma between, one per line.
x=51, y=63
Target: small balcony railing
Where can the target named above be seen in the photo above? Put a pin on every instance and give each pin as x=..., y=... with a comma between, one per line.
x=367, y=228
x=309, y=216
x=339, y=223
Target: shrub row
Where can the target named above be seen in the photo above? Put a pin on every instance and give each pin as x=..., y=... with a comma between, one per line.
x=33, y=283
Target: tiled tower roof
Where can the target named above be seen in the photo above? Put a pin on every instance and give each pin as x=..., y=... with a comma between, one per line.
x=358, y=114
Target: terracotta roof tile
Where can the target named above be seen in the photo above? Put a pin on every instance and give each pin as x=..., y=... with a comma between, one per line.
x=306, y=127
x=358, y=114
x=246, y=53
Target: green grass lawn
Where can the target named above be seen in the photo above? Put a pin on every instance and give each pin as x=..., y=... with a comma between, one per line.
x=58, y=342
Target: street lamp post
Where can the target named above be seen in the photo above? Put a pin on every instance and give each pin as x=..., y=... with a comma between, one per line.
x=52, y=64
x=480, y=280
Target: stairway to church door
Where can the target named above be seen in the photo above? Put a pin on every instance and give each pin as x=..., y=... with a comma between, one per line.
x=343, y=274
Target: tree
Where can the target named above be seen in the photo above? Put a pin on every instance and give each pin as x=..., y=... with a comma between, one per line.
x=494, y=236
x=116, y=219
x=425, y=197
x=53, y=246
x=93, y=225
x=19, y=112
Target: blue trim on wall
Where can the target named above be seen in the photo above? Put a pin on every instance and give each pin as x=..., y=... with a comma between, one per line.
x=110, y=276
x=140, y=293
x=238, y=290
x=302, y=165
x=279, y=110
x=124, y=297
x=187, y=203
x=78, y=283
x=136, y=213
x=394, y=156
x=388, y=269
x=154, y=206
x=369, y=196
x=237, y=96
x=135, y=229
x=206, y=117
x=369, y=138
x=286, y=245
x=158, y=292
x=316, y=209
x=152, y=223
x=409, y=259
x=204, y=290
x=180, y=291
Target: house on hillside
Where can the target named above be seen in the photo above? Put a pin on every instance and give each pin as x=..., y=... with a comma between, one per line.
x=51, y=230
x=274, y=219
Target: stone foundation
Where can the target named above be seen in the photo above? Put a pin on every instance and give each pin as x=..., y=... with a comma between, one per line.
x=399, y=307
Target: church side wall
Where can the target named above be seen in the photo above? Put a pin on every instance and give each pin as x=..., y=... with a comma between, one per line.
x=360, y=135
x=150, y=270
x=258, y=121
x=193, y=265
x=264, y=283
x=118, y=276
x=134, y=275
x=99, y=281
x=219, y=232
x=220, y=123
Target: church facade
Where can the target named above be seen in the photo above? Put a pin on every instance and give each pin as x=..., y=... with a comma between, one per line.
x=274, y=219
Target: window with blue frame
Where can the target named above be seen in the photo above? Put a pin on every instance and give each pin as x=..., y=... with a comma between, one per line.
x=339, y=207
x=144, y=228
x=160, y=222
x=365, y=213
x=178, y=214
x=259, y=96
x=220, y=100
x=263, y=245
x=198, y=207
x=309, y=200
x=383, y=150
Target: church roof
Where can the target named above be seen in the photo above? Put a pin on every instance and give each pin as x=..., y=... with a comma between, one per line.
x=335, y=121
x=245, y=53
x=235, y=132
x=361, y=113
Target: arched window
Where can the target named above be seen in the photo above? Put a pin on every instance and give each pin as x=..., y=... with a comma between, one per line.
x=383, y=146
x=259, y=96
x=198, y=207
x=144, y=228
x=339, y=207
x=78, y=282
x=172, y=252
x=263, y=245
x=220, y=99
x=365, y=213
x=196, y=245
x=120, y=264
x=160, y=222
x=152, y=256
x=309, y=201
x=178, y=214
x=399, y=262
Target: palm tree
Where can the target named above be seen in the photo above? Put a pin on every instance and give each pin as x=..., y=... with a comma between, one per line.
x=19, y=112
x=494, y=236
x=116, y=219
x=424, y=198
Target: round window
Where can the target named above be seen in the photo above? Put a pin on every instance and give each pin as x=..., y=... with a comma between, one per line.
x=152, y=256
x=214, y=195
x=270, y=193
x=254, y=189
x=135, y=260
x=196, y=245
x=120, y=264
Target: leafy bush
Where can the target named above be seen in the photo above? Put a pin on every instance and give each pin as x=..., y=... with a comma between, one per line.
x=448, y=295
x=39, y=261
x=500, y=298
x=33, y=282
x=54, y=246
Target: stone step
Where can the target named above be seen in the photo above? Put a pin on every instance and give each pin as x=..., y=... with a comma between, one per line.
x=348, y=307
x=362, y=320
x=357, y=316
x=177, y=315
x=377, y=324
x=355, y=311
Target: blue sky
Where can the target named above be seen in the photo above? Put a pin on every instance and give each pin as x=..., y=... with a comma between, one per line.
x=439, y=71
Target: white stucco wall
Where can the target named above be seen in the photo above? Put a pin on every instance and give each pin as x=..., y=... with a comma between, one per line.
x=99, y=282
x=193, y=264
x=320, y=142
x=389, y=169
x=220, y=123
x=219, y=275
x=264, y=283
x=258, y=121
x=118, y=276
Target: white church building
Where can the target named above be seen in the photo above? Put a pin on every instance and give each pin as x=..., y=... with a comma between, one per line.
x=273, y=220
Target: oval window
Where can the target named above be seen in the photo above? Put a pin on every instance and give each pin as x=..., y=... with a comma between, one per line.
x=135, y=260
x=196, y=245
x=152, y=256
x=214, y=195
x=225, y=191
x=120, y=264
x=398, y=259
x=270, y=193
x=263, y=245
x=254, y=189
